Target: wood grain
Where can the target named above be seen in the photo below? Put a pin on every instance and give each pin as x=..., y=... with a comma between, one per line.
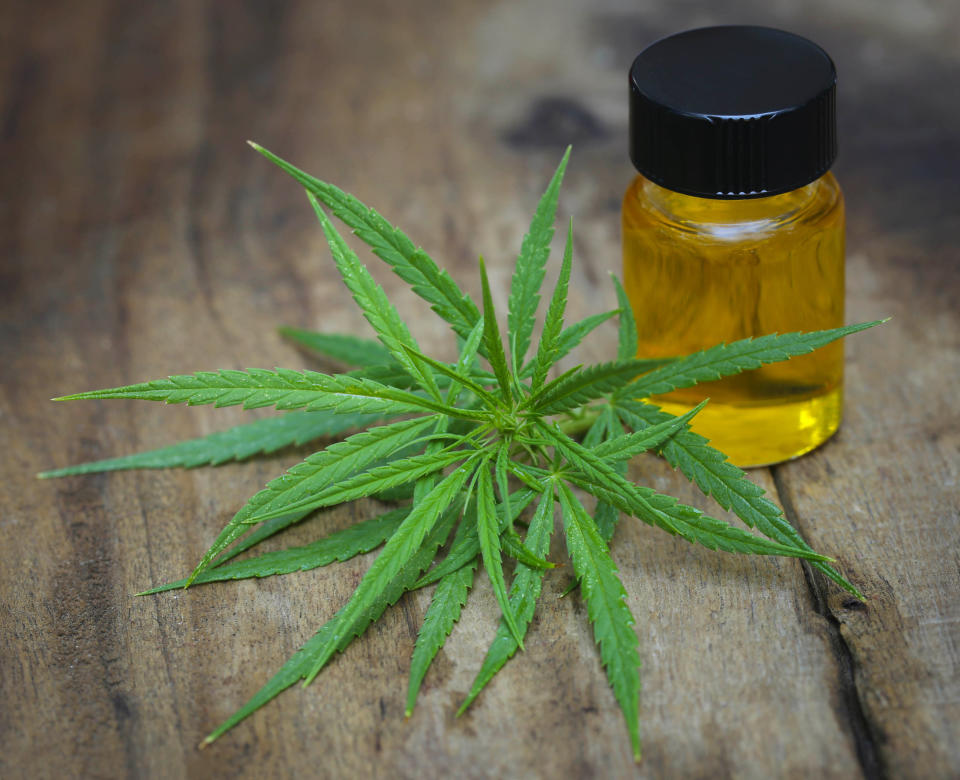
x=140, y=237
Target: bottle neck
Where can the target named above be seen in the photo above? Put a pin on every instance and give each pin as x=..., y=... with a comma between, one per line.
x=731, y=219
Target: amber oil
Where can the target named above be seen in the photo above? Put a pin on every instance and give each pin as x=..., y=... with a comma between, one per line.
x=701, y=271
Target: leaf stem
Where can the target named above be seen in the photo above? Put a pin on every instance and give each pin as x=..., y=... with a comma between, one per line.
x=575, y=424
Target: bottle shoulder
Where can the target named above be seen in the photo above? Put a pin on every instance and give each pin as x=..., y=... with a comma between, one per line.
x=817, y=206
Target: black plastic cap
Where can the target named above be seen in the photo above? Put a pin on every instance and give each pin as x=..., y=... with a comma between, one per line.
x=733, y=112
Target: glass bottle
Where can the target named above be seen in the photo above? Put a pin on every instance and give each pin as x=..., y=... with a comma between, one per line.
x=734, y=228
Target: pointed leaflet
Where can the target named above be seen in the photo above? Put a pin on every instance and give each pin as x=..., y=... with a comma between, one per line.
x=238, y=443
x=726, y=359
x=467, y=362
x=607, y=608
x=317, y=472
x=529, y=270
x=399, y=549
x=605, y=430
x=573, y=390
x=334, y=633
x=261, y=532
x=709, y=469
x=606, y=516
x=468, y=352
x=466, y=545
x=444, y=610
x=390, y=373
x=667, y=513
x=373, y=302
x=274, y=525
x=571, y=337
x=503, y=477
x=627, y=332
x=367, y=483
x=376, y=361
x=489, y=535
x=458, y=377
x=425, y=483
x=621, y=448
x=341, y=545
x=599, y=429
x=347, y=349
x=607, y=427
x=514, y=547
x=390, y=244
x=448, y=598
x=602, y=481
x=491, y=338
x=524, y=593
x=520, y=472
x=549, y=348
x=283, y=388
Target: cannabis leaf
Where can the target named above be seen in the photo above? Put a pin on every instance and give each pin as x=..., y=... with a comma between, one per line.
x=238, y=443
x=466, y=448
x=606, y=605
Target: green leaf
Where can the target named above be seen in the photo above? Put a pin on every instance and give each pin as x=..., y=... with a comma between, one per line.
x=468, y=351
x=338, y=546
x=627, y=333
x=366, y=483
x=607, y=607
x=606, y=428
x=467, y=362
x=503, y=476
x=530, y=268
x=524, y=593
x=344, y=348
x=602, y=481
x=392, y=246
x=489, y=533
x=308, y=479
x=513, y=546
x=520, y=472
x=726, y=359
x=376, y=307
x=571, y=337
x=466, y=546
x=549, y=349
x=283, y=388
x=391, y=374
x=458, y=377
x=599, y=428
x=239, y=443
x=667, y=513
x=258, y=534
x=573, y=390
x=336, y=634
x=492, y=341
x=444, y=610
x=573, y=334
x=709, y=470
x=624, y=447
x=607, y=515
x=399, y=550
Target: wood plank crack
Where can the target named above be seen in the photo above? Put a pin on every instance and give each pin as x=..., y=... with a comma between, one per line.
x=865, y=735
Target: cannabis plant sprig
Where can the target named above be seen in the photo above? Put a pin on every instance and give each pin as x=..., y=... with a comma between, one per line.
x=465, y=450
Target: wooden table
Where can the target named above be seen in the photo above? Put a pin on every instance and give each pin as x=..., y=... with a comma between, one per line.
x=141, y=237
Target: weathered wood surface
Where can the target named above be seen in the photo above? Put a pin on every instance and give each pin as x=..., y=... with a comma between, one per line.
x=140, y=237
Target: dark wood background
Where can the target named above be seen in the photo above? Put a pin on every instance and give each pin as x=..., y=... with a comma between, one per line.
x=139, y=236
